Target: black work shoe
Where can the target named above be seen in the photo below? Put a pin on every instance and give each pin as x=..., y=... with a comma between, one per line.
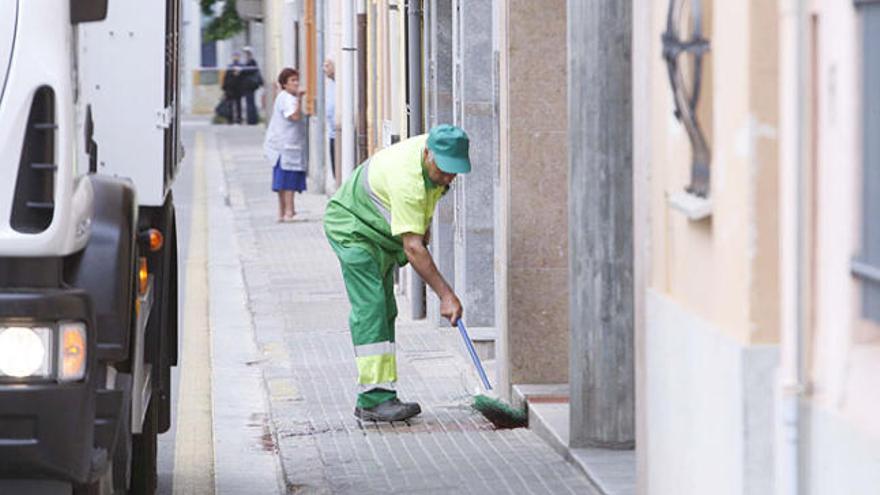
x=390, y=410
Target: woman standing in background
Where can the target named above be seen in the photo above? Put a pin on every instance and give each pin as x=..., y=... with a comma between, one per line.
x=285, y=144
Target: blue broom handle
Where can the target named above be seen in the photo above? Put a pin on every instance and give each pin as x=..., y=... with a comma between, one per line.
x=476, y=359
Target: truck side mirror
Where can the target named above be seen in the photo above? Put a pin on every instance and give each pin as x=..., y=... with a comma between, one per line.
x=87, y=11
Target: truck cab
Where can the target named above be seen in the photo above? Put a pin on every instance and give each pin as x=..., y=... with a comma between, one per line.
x=88, y=247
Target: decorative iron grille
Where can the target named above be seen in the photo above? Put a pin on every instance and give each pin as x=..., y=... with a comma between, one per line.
x=683, y=49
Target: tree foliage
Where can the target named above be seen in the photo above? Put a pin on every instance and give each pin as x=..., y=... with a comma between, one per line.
x=225, y=25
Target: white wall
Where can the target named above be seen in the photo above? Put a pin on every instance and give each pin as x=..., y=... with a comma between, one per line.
x=842, y=459
x=708, y=407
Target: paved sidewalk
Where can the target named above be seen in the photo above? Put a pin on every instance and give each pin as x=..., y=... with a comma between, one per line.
x=299, y=311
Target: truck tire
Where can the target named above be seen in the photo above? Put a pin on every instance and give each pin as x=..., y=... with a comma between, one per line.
x=144, y=450
x=122, y=452
x=103, y=486
x=91, y=489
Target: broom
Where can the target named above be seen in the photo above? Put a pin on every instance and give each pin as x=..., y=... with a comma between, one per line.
x=497, y=412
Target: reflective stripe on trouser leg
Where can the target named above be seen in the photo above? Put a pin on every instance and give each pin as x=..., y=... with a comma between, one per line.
x=377, y=366
x=369, y=283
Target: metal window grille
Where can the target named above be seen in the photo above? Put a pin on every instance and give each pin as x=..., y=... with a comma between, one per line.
x=866, y=266
x=683, y=49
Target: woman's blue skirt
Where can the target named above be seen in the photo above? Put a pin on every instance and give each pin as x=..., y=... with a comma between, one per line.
x=288, y=180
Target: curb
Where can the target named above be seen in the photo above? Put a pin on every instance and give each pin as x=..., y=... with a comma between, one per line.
x=246, y=454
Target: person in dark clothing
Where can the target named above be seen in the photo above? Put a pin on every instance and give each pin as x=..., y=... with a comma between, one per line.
x=232, y=88
x=251, y=81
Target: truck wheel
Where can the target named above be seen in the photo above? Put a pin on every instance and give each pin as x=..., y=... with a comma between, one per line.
x=103, y=486
x=144, y=450
x=122, y=454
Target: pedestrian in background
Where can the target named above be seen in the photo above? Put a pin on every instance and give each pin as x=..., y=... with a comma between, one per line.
x=285, y=144
x=232, y=89
x=252, y=79
x=380, y=219
x=330, y=109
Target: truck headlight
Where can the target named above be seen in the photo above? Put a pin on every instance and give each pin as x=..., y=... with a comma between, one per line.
x=26, y=352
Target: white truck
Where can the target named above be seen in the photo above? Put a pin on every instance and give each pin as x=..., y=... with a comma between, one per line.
x=88, y=244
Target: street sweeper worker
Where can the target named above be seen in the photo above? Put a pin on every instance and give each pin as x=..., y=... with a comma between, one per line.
x=379, y=219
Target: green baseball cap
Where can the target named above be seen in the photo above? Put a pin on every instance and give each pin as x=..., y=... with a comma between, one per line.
x=450, y=147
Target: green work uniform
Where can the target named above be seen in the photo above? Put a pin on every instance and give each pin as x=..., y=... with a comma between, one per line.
x=389, y=195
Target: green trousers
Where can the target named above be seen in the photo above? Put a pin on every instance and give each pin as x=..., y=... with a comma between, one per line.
x=369, y=280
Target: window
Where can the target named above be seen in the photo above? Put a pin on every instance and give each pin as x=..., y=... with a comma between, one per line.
x=866, y=266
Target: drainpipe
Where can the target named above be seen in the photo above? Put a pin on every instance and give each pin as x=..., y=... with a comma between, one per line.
x=414, y=69
x=320, y=108
x=414, y=61
x=793, y=118
x=362, y=82
x=348, y=103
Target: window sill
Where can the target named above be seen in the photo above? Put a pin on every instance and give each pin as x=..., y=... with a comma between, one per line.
x=692, y=206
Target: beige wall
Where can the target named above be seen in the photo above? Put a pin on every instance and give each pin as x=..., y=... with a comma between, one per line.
x=723, y=269
x=763, y=100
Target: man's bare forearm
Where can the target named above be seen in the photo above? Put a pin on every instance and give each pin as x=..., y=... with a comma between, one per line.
x=423, y=263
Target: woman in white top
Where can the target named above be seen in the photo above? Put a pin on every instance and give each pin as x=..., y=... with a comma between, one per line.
x=285, y=144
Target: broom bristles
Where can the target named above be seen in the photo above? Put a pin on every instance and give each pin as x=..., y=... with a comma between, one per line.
x=500, y=414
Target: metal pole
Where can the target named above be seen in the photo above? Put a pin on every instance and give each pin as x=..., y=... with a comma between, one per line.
x=320, y=103
x=428, y=57
x=414, y=54
x=348, y=78
x=414, y=62
x=793, y=63
x=361, y=117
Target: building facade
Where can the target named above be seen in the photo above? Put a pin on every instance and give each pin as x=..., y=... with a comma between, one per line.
x=830, y=326
x=758, y=308
x=710, y=254
x=668, y=234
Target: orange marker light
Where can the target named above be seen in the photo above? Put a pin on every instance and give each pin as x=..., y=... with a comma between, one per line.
x=143, y=276
x=72, y=352
x=157, y=240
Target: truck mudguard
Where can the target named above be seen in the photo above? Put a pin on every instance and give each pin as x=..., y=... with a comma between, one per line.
x=106, y=267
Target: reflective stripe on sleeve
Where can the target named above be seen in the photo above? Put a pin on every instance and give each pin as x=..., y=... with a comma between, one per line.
x=373, y=198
